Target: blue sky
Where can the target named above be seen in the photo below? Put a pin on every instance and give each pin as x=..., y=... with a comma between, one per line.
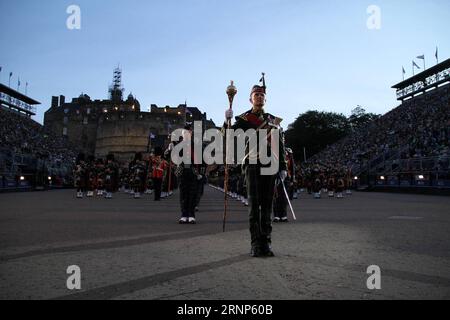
x=316, y=54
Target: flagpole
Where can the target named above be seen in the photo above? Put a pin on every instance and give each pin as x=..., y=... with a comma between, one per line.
x=437, y=56
x=185, y=112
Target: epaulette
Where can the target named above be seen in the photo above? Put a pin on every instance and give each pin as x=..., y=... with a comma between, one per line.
x=273, y=119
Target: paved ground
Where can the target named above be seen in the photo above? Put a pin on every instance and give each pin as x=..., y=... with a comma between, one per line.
x=134, y=249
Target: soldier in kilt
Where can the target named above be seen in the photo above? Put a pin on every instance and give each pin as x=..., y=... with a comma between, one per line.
x=91, y=176
x=159, y=167
x=80, y=175
x=111, y=176
x=99, y=176
x=138, y=169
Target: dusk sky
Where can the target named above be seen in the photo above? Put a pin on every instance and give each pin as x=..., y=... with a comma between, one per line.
x=316, y=54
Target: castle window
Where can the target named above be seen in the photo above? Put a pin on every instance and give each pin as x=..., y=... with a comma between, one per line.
x=88, y=111
x=64, y=131
x=85, y=120
x=65, y=120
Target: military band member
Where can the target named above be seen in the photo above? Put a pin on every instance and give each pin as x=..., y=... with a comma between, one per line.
x=260, y=188
x=99, y=176
x=331, y=186
x=317, y=186
x=111, y=176
x=188, y=178
x=80, y=175
x=138, y=168
x=159, y=167
x=125, y=177
x=90, y=167
x=340, y=185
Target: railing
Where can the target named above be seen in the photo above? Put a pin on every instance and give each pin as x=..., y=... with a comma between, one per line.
x=414, y=172
x=18, y=172
x=417, y=165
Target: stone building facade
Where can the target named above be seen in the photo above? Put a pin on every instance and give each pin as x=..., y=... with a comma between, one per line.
x=117, y=126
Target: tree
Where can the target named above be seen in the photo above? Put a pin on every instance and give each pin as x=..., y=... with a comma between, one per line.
x=359, y=118
x=315, y=130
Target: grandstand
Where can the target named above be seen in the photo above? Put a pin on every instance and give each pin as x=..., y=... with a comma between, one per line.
x=30, y=156
x=407, y=147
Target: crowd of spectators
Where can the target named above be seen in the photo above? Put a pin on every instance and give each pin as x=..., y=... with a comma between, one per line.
x=26, y=144
x=418, y=128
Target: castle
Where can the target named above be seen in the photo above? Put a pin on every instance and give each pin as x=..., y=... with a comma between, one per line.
x=116, y=125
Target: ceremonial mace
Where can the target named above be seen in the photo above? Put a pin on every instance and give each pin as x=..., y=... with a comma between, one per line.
x=231, y=92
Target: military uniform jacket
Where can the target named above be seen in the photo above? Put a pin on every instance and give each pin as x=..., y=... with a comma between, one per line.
x=250, y=120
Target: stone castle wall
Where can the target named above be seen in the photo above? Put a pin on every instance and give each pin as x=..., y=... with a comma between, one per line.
x=102, y=127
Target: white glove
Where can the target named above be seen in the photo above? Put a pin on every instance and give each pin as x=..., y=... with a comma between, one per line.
x=199, y=177
x=229, y=114
x=283, y=175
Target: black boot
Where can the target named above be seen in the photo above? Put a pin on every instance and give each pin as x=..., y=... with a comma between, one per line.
x=266, y=250
x=255, y=252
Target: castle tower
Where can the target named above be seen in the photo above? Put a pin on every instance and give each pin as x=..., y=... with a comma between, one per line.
x=116, y=89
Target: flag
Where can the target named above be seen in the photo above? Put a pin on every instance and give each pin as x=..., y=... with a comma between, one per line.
x=403, y=70
x=18, y=82
x=415, y=65
x=421, y=57
x=0, y=69
x=10, y=74
x=436, y=55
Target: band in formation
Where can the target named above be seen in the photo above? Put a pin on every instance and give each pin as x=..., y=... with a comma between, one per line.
x=268, y=197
